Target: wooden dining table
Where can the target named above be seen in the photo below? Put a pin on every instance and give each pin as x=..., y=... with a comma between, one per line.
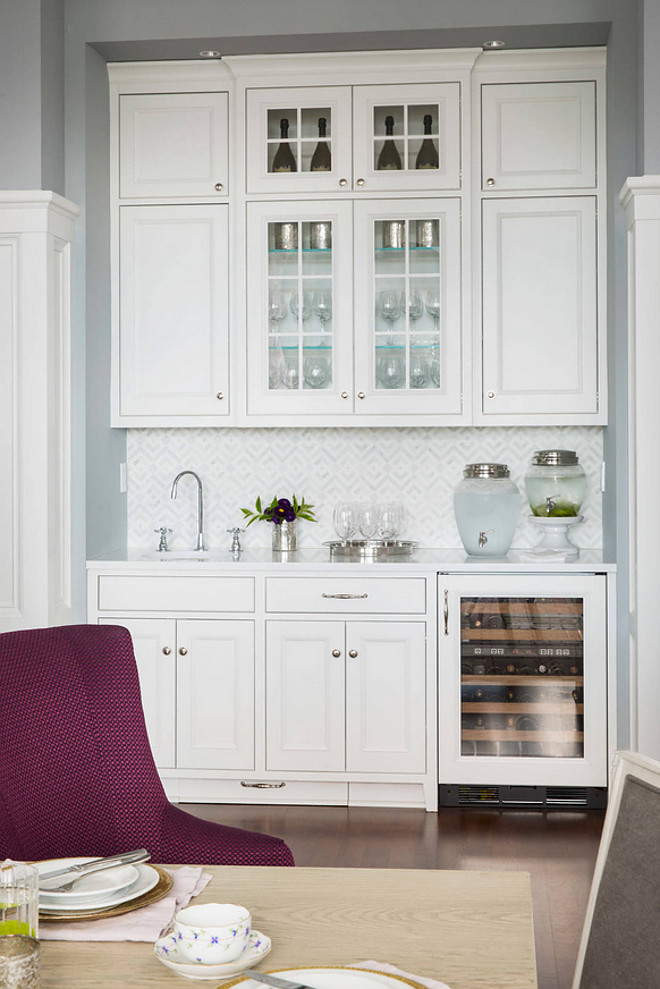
x=471, y=930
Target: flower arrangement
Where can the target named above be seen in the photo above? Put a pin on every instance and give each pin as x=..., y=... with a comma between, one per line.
x=280, y=510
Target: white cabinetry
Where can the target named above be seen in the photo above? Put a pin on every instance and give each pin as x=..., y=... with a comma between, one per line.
x=174, y=349
x=173, y=145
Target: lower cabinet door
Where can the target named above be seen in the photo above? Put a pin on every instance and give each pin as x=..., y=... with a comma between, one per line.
x=154, y=641
x=305, y=696
x=215, y=694
x=386, y=697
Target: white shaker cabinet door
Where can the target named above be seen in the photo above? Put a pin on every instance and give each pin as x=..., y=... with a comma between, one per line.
x=154, y=641
x=386, y=697
x=173, y=329
x=540, y=306
x=538, y=135
x=173, y=145
x=215, y=691
x=305, y=696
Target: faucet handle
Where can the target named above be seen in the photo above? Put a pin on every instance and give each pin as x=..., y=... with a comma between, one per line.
x=236, y=542
x=162, y=545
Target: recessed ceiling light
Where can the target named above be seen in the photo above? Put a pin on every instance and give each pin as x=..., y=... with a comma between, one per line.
x=209, y=54
x=488, y=45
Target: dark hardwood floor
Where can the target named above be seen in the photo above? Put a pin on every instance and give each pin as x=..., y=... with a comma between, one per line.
x=558, y=848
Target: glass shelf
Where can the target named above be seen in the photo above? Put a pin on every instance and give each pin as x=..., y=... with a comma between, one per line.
x=304, y=250
x=400, y=250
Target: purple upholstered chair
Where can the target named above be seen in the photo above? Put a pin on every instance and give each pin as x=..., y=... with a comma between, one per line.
x=77, y=776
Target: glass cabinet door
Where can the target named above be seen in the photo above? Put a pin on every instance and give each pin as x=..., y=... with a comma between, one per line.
x=407, y=137
x=528, y=679
x=408, y=307
x=299, y=308
x=299, y=140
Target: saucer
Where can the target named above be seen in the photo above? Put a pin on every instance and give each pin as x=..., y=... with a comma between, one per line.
x=165, y=950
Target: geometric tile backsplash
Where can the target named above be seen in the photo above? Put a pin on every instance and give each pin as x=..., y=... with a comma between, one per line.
x=419, y=467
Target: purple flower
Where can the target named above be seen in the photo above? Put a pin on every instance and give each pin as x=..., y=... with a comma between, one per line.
x=284, y=503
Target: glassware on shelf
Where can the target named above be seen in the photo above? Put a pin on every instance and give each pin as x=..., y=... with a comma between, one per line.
x=418, y=371
x=389, y=305
x=427, y=156
x=344, y=520
x=415, y=305
x=321, y=159
x=316, y=371
x=284, y=160
x=289, y=374
x=322, y=301
x=389, y=158
x=391, y=370
x=434, y=306
x=434, y=364
x=301, y=304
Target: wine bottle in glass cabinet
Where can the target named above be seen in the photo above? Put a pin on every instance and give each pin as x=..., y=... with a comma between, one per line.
x=523, y=668
x=284, y=160
x=321, y=159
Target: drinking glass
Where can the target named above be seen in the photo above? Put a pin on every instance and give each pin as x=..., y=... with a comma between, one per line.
x=301, y=303
x=316, y=372
x=389, y=304
x=19, y=899
x=389, y=520
x=344, y=520
x=19, y=962
x=368, y=519
x=277, y=308
x=434, y=306
x=415, y=305
x=323, y=305
x=391, y=371
x=418, y=371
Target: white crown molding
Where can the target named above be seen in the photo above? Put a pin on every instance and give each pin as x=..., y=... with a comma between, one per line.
x=580, y=61
x=184, y=73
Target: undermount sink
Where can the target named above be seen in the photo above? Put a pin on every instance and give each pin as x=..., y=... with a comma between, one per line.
x=182, y=554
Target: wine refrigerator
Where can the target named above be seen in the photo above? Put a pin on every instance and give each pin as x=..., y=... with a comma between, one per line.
x=523, y=689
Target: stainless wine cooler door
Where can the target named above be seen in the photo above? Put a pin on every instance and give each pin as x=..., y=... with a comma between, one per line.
x=523, y=680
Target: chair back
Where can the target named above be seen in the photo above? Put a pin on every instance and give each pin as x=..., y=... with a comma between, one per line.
x=620, y=946
x=76, y=769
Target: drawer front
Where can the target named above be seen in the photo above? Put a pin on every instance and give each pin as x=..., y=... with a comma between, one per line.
x=353, y=595
x=251, y=791
x=168, y=593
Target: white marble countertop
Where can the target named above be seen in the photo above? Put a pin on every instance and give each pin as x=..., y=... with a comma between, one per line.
x=422, y=560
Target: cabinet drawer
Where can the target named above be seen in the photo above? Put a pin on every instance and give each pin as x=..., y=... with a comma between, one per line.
x=168, y=593
x=359, y=595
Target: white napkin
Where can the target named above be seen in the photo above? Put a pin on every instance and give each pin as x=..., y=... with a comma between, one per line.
x=144, y=924
x=384, y=967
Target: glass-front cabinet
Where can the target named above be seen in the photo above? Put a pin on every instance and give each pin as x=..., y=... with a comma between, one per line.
x=523, y=673
x=354, y=139
x=354, y=308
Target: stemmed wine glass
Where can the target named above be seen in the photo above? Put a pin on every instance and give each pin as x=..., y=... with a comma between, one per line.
x=418, y=370
x=368, y=519
x=390, y=517
x=323, y=306
x=344, y=520
x=415, y=306
x=277, y=308
x=277, y=311
x=434, y=307
x=301, y=304
x=390, y=305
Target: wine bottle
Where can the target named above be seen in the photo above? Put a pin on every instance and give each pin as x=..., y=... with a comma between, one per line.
x=284, y=160
x=389, y=158
x=427, y=156
x=321, y=159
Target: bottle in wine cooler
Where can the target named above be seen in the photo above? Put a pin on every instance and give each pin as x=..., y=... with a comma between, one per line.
x=466, y=669
x=284, y=160
x=389, y=158
x=479, y=669
x=528, y=722
x=321, y=159
x=427, y=156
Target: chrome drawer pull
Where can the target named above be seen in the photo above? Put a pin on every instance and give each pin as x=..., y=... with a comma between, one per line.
x=344, y=597
x=264, y=786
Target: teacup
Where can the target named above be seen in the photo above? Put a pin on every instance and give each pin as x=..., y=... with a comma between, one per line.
x=212, y=933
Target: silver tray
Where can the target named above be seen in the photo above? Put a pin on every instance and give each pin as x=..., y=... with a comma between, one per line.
x=370, y=549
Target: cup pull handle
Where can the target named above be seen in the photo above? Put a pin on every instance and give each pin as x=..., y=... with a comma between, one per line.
x=345, y=597
x=263, y=786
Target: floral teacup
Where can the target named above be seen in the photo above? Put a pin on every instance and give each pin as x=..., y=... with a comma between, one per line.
x=212, y=933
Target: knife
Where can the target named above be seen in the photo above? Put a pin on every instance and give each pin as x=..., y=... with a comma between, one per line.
x=273, y=980
x=97, y=865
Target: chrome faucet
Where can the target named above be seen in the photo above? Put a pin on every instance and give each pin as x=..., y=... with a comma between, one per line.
x=200, y=505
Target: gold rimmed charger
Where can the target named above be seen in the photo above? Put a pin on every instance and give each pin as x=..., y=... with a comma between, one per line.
x=157, y=892
x=325, y=968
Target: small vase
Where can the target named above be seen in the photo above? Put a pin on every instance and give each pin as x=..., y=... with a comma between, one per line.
x=285, y=537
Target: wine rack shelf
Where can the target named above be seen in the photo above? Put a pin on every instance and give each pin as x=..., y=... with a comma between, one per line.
x=506, y=680
x=515, y=735
x=522, y=707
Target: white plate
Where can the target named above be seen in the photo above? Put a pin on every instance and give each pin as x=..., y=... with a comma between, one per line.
x=147, y=879
x=258, y=947
x=94, y=885
x=337, y=978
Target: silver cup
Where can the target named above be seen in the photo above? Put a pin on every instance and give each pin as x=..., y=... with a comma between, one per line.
x=394, y=233
x=427, y=233
x=286, y=236
x=320, y=236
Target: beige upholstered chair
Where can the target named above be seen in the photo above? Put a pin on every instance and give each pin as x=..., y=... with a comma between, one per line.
x=620, y=947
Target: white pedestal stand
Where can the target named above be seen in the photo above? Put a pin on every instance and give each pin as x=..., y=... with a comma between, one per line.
x=555, y=543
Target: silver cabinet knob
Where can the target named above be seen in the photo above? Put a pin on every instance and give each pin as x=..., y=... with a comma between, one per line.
x=490, y=181
x=220, y=395
x=360, y=183
x=343, y=183
x=490, y=394
x=361, y=394
x=166, y=650
x=218, y=186
x=183, y=651
x=336, y=653
x=344, y=394
x=352, y=653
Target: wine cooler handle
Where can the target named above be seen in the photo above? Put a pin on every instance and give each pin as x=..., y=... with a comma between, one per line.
x=445, y=612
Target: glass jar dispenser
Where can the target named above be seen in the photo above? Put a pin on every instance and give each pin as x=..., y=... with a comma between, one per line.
x=555, y=484
x=486, y=504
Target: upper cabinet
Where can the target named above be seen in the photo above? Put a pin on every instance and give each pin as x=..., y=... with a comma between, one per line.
x=353, y=139
x=360, y=239
x=538, y=135
x=173, y=145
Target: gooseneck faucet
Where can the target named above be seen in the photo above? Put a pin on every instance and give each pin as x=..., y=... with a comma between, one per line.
x=200, y=505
